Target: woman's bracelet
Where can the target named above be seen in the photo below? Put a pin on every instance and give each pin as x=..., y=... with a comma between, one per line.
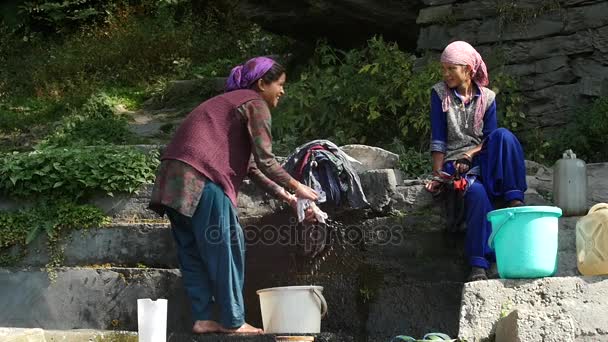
x=468, y=155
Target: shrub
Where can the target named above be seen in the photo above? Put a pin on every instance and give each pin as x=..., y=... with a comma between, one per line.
x=94, y=123
x=369, y=95
x=75, y=172
x=587, y=136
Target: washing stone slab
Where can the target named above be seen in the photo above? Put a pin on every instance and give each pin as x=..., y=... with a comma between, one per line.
x=583, y=300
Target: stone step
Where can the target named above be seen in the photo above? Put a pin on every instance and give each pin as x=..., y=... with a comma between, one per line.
x=565, y=309
x=151, y=244
x=414, y=246
x=80, y=335
x=364, y=303
x=127, y=244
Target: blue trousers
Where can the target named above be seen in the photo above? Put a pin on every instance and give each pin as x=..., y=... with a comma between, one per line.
x=502, y=178
x=211, y=253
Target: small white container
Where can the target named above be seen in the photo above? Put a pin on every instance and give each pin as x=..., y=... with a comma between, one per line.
x=292, y=309
x=152, y=320
x=570, y=185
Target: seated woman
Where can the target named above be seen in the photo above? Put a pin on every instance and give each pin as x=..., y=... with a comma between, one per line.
x=465, y=142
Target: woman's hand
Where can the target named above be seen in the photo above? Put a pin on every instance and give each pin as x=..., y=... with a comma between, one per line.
x=463, y=165
x=309, y=215
x=303, y=191
x=432, y=185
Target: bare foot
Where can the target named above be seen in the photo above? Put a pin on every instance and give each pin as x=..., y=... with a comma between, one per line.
x=243, y=329
x=206, y=327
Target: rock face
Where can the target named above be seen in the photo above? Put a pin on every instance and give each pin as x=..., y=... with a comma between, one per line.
x=343, y=22
x=556, y=48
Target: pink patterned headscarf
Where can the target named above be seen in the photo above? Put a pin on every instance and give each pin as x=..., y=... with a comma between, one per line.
x=463, y=53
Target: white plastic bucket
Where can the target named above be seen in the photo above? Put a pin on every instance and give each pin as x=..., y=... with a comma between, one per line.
x=152, y=320
x=292, y=309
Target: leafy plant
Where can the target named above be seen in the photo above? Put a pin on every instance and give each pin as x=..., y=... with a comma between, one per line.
x=19, y=229
x=587, y=136
x=367, y=95
x=95, y=123
x=75, y=172
x=412, y=162
x=509, y=101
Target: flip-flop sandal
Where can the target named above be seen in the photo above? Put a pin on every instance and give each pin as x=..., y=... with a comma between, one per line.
x=403, y=338
x=438, y=337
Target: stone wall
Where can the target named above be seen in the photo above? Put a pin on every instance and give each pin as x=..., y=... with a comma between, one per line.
x=556, y=47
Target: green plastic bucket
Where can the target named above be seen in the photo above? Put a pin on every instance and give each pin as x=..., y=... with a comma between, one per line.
x=525, y=241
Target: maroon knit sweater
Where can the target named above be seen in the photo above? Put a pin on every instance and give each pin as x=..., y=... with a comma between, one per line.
x=215, y=141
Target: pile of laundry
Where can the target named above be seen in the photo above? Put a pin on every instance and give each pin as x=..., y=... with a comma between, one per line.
x=323, y=166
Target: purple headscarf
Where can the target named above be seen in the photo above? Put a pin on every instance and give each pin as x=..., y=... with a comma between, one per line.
x=244, y=75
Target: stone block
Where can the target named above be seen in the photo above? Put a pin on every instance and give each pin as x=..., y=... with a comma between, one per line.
x=371, y=158
x=22, y=335
x=434, y=14
x=562, y=45
x=543, y=80
x=379, y=186
x=475, y=10
x=586, y=17
x=437, y=2
x=583, y=298
x=600, y=40
x=533, y=326
x=413, y=197
x=543, y=26
x=132, y=245
x=588, y=67
x=434, y=37
x=88, y=298
x=558, y=100
x=537, y=67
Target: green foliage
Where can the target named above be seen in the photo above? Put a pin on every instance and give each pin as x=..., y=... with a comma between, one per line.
x=59, y=16
x=509, y=101
x=23, y=113
x=94, y=124
x=370, y=95
x=19, y=229
x=129, y=44
x=75, y=172
x=412, y=162
x=587, y=136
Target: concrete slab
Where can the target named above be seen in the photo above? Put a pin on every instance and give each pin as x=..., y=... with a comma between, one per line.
x=584, y=299
x=88, y=298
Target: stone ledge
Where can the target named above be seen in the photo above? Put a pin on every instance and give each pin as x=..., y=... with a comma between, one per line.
x=79, y=335
x=585, y=299
x=85, y=298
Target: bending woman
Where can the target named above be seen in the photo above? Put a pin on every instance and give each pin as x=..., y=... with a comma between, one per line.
x=466, y=142
x=220, y=142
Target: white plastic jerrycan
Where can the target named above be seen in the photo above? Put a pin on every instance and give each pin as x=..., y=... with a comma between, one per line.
x=152, y=320
x=570, y=185
x=592, y=241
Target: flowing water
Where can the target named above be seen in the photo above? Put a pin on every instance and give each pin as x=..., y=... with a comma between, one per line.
x=331, y=241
